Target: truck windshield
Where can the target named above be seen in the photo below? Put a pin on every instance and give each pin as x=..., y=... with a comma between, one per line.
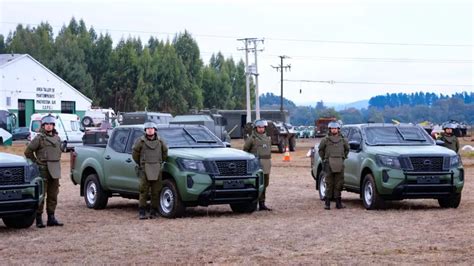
x=397, y=135
x=192, y=137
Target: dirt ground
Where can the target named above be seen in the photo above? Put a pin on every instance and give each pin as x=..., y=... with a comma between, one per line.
x=297, y=231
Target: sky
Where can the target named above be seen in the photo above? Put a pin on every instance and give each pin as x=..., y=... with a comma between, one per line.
x=340, y=51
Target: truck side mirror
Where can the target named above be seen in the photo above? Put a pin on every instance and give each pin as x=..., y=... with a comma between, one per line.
x=440, y=142
x=354, y=145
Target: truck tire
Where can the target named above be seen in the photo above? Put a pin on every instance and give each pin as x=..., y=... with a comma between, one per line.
x=95, y=197
x=322, y=185
x=370, y=196
x=452, y=201
x=293, y=144
x=170, y=203
x=20, y=221
x=87, y=121
x=281, y=146
x=247, y=207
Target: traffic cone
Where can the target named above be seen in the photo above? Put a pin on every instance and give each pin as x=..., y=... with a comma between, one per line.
x=286, y=156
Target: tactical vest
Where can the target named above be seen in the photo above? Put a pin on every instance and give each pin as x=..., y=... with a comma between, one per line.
x=50, y=148
x=450, y=142
x=261, y=146
x=151, y=151
x=334, y=147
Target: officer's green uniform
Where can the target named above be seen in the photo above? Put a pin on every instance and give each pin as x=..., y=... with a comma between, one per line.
x=45, y=151
x=260, y=145
x=149, y=155
x=450, y=141
x=333, y=150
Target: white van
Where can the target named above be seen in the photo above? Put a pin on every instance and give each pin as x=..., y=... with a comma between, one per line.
x=68, y=127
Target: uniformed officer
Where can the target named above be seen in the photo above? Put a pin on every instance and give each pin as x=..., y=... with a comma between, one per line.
x=45, y=151
x=449, y=138
x=260, y=145
x=333, y=150
x=149, y=151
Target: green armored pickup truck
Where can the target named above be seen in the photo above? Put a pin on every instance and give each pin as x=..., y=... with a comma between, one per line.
x=199, y=170
x=395, y=162
x=21, y=189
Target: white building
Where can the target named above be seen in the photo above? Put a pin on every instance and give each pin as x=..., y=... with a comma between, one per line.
x=27, y=87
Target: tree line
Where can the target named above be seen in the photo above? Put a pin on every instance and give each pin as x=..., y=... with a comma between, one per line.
x=455, y=107
x=159, y=75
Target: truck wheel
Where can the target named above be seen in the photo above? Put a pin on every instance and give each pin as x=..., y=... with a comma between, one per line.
x=451, y=202
x=370, y=196
x=293, y=144
x=94, y=195
x=170, y=203
x=87, y=121
x=281, y=146
x=322, y=185
x=247, y=207
x=20, y=221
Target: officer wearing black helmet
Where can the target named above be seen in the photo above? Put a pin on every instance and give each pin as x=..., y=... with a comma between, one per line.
x=449, y=138
x=45, y=151
x=259, y=144
x=149, y=151
x=333, y=150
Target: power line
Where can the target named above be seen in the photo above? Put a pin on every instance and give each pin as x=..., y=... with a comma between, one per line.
x=378, y=83
x=280, y=68
x=274, y=39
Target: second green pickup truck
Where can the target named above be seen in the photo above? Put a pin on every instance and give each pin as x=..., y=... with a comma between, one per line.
x=395, y=162
x=200, y=170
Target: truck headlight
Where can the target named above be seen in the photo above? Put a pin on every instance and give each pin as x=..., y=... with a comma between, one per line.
x=253, y=165
x=454, y=161
x=388, y=161
x=31, y=172
x=192, y=165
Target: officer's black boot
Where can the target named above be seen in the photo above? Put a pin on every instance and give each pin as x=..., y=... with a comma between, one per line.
x=263, y=207
x=153, y=213
x=327, y=204
x=339, y=204
x=141, y=214
x=52, y=220
x=39, y=220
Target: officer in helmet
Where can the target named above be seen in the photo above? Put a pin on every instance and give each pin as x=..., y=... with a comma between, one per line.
x=333, y=150
x=149, y=152
x=260, y=145
x=449, y=138
x=45, y=151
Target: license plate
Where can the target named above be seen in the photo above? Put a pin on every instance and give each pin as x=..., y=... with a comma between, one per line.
x=234, y=184
x=10, y=195
x=427, y=180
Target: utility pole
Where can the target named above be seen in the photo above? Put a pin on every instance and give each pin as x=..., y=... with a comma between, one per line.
x=257, y=95
x=281, y=67
x=247, y=74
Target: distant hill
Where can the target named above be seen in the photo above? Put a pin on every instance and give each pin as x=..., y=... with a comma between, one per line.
x=357, y=105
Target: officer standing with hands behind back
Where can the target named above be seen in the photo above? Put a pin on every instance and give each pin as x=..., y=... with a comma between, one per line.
x=149, y=151
x=259, y=144
x=45, y=151
x=333, y=150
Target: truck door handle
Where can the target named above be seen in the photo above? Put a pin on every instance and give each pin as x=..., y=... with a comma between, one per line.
x=128, y=160
x=108, y=157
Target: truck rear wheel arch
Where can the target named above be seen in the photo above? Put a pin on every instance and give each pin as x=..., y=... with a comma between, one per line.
x=88, y=171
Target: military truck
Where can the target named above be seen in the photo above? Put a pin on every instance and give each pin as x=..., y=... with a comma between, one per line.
x=214, y=122
x=199, y=170
x=134, y=118
x=395, y=162
x=321, y=126
x=21, y=189
x=282, y=134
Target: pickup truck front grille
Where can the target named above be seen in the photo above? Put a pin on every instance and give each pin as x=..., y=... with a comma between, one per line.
x=232, y=168
x=12, y=176
x=427, y=164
